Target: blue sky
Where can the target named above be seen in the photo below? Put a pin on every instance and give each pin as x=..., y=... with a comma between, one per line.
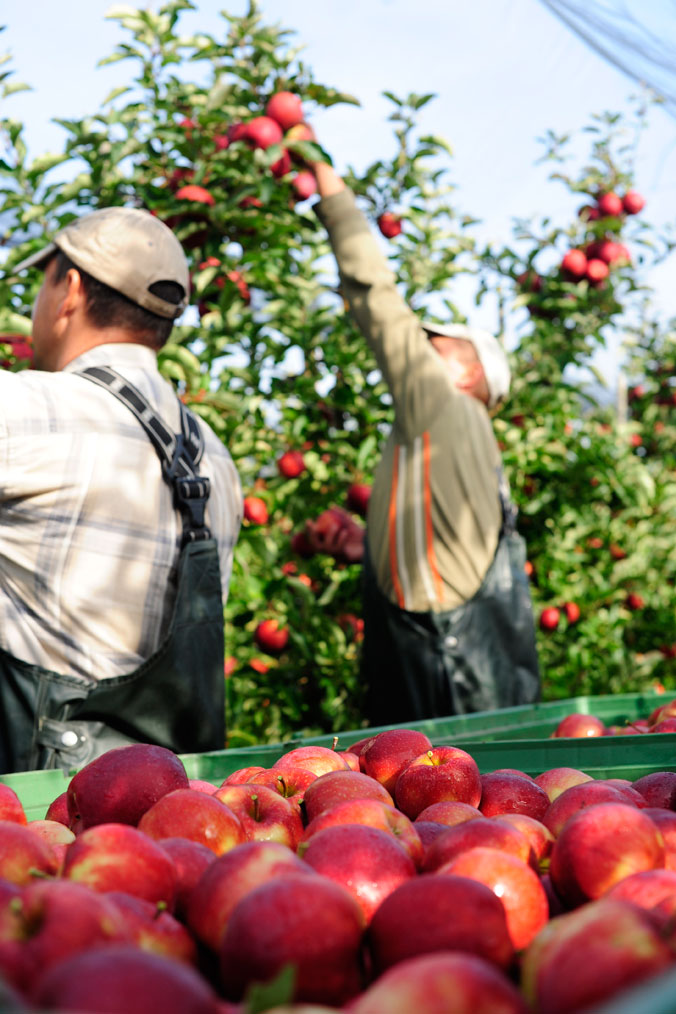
x=504, y=71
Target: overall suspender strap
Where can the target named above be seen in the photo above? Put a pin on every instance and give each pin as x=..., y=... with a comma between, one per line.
x=179, y=453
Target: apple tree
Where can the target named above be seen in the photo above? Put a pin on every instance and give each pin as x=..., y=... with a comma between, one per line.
x=267, y=355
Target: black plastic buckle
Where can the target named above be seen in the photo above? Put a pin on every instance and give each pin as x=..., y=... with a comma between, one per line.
x=190, y=497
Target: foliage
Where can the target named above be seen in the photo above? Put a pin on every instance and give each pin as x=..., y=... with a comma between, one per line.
x=268, y=356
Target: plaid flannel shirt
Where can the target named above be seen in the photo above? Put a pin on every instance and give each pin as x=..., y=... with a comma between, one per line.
x=89, y=537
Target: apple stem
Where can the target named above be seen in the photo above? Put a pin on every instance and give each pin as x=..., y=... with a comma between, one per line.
x=39, y=874
x=638, y=728
x=159, y=909
x=256, y=808
x=335, y=742
x=282, y=783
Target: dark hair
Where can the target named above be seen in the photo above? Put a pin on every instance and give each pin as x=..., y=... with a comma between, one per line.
x=107, y=307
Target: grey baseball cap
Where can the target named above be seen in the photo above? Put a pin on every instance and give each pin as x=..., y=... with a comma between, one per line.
x=489, y=351
x=126, y=248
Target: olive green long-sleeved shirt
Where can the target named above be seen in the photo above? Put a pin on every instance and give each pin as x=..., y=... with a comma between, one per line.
x=434, y=515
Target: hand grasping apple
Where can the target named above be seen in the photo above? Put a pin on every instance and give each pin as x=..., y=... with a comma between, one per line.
x=336, y=533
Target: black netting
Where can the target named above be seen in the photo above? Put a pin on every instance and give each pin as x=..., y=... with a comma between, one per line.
x=637, y=36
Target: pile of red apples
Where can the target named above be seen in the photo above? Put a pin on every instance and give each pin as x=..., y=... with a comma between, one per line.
x=389, y=878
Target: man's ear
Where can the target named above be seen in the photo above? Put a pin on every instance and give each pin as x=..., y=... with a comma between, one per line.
x=73, y=296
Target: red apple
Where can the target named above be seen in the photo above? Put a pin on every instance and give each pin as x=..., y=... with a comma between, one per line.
x=122, y=978
x=304, y=185
x=152, y=929
x=11, y=807
x=599, y=846
x=481, y=833
x=654, y=890
x=367, y=862
x=666, y=725
x=193, y=192
x=308, y=922
x=301, y=545
x=556, y=780
x=117, y=857
x=262, y=132
x=578, y=797
x=388, y=753
x=337, y=786
x=597, y=270
x=578, y=725
x=286, y=108
x=55, y=834
x=195, y=815
x=229, y=878
x=358, y=496
x=549, y=618
x=242, y=775
x=255, y=510
x=502, y=792
x=191, y=859
x=373, y=813
x=315, y=758
x=24, y=854
x=49, y=921
x=540, y=837
x=427, y=831
x=609, y=204
x=291, y=464
x=58, y=809
x=414, y=920
x=389, y=224
x=574, y=263
x=270, y=637
x=667, y=710
x=633, y=202
x=572, y=611
x=200, y=785
x=300, y=132
x=514, y=882
x=441, y=984
x=591, y=955
x=291, y=783
x=263, y=813
x=444, y=772
x=449, y=812
x=665, y=820
x=120, y=785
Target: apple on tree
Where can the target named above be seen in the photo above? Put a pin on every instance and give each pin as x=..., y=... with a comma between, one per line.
x=286, y=108
x=270, y=637
x=262, y=132
x=389, y=224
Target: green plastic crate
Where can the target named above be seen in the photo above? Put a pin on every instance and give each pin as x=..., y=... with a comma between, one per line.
x=513, y=738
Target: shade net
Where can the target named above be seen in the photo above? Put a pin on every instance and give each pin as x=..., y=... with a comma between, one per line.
x=636, y=36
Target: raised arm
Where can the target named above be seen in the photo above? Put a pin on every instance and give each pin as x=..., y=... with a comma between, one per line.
x=414, y=373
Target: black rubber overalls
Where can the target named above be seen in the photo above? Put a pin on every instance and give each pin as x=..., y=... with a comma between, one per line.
x=479, y=656
x=176, y=698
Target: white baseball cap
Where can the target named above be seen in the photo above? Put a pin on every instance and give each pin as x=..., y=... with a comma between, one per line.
x=126, y=248
x=490, y=354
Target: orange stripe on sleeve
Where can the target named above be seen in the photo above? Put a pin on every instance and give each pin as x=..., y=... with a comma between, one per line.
x=392, y=521
x=428, y=518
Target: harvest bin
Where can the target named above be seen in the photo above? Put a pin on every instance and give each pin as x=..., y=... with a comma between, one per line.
x=512, y=738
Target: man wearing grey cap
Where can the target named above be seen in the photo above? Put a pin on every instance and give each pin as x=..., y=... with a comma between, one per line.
x=448, y=624
x=119, y=512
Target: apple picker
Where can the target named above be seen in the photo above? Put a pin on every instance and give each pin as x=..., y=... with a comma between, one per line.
x=119, y=512
x=448, y=623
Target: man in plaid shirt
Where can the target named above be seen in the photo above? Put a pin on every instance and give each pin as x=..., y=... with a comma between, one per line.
x=115, y=553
